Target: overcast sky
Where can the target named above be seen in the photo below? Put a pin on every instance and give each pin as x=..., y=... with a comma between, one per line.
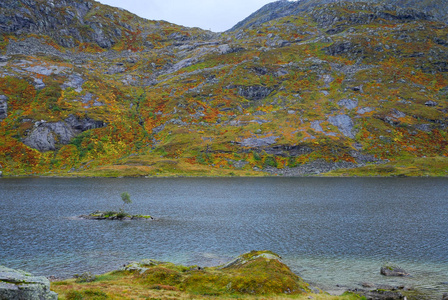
x=215, y=15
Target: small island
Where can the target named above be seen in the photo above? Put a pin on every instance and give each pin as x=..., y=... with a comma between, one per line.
x=120, y=215
x=114, y=215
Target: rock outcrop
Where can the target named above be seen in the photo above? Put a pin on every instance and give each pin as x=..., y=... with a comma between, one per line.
x=20, y=285
x=254, y=93
x=253, y=273
x=282, y=8
x=3, y=107
x=45, y=136
x=344, y=124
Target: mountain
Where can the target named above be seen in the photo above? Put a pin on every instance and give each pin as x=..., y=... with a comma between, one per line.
x=283, y=8
x=352, y=88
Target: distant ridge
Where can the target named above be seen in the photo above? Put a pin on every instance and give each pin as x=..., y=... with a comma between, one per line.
x=283, y=8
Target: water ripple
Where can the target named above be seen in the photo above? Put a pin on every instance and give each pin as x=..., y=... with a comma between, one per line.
x=331, y=231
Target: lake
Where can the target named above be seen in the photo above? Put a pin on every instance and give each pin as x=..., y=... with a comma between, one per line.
x=334, y=232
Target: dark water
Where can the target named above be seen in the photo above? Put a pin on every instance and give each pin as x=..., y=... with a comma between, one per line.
x=330, y=231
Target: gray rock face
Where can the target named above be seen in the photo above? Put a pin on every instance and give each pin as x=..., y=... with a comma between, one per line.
x=66, y=29
x=349, y=104
x=45, y=136
x=84, y=124
x=431, y=103
x=20, y=285
x=316, y=126
x=364, y=110
x=41, y=138
x=226, y=49
x=344, y=124
x=372, y=13
x=259, y=142
x=279, y=9
x=3, y=107
x=74, y=81
x=254, y=93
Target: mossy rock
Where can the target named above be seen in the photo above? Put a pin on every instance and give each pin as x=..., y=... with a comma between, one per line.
x=253, y=273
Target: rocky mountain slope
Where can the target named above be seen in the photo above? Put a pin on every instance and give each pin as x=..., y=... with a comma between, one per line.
x=438, y=9
x=88, y=89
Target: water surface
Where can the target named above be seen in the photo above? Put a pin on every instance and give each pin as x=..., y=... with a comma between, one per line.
x=331, y=231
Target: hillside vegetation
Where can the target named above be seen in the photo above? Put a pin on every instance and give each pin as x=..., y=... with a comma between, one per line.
x=350, y=88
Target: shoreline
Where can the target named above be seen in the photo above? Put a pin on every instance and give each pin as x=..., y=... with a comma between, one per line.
x=360, y=286
x=379, y=290
x=223, y=176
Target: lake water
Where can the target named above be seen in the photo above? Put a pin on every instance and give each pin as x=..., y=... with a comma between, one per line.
x=331, y=231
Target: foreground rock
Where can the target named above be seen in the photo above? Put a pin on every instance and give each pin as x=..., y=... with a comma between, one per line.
x=17, y=284
x=113, y=215
x=254, y=273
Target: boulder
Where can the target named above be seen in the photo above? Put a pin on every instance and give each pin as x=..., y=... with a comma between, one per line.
x=74, y=81
x=20, y=285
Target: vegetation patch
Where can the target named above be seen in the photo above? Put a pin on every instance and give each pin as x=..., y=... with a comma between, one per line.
x=255, y=275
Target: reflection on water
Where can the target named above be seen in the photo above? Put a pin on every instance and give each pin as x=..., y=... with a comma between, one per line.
x=331, y=231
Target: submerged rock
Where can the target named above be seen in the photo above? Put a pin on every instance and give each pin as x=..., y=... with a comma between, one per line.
x=17, y=284
x=389, y=270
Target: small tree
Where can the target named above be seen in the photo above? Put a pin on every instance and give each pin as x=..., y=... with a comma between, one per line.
x=126, y=199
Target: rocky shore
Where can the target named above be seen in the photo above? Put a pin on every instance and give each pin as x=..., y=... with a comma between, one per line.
x=253, y=273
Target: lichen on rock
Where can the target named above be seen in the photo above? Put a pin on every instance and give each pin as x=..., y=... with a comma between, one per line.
x=17, y=284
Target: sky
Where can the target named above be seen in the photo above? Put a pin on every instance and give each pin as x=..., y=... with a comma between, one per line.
x=215, y=15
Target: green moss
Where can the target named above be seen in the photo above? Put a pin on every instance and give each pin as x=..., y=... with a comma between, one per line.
x=161, y=275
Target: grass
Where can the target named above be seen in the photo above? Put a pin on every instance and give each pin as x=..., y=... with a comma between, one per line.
x=257, y=275
x=410, y=167
x=151, y=166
